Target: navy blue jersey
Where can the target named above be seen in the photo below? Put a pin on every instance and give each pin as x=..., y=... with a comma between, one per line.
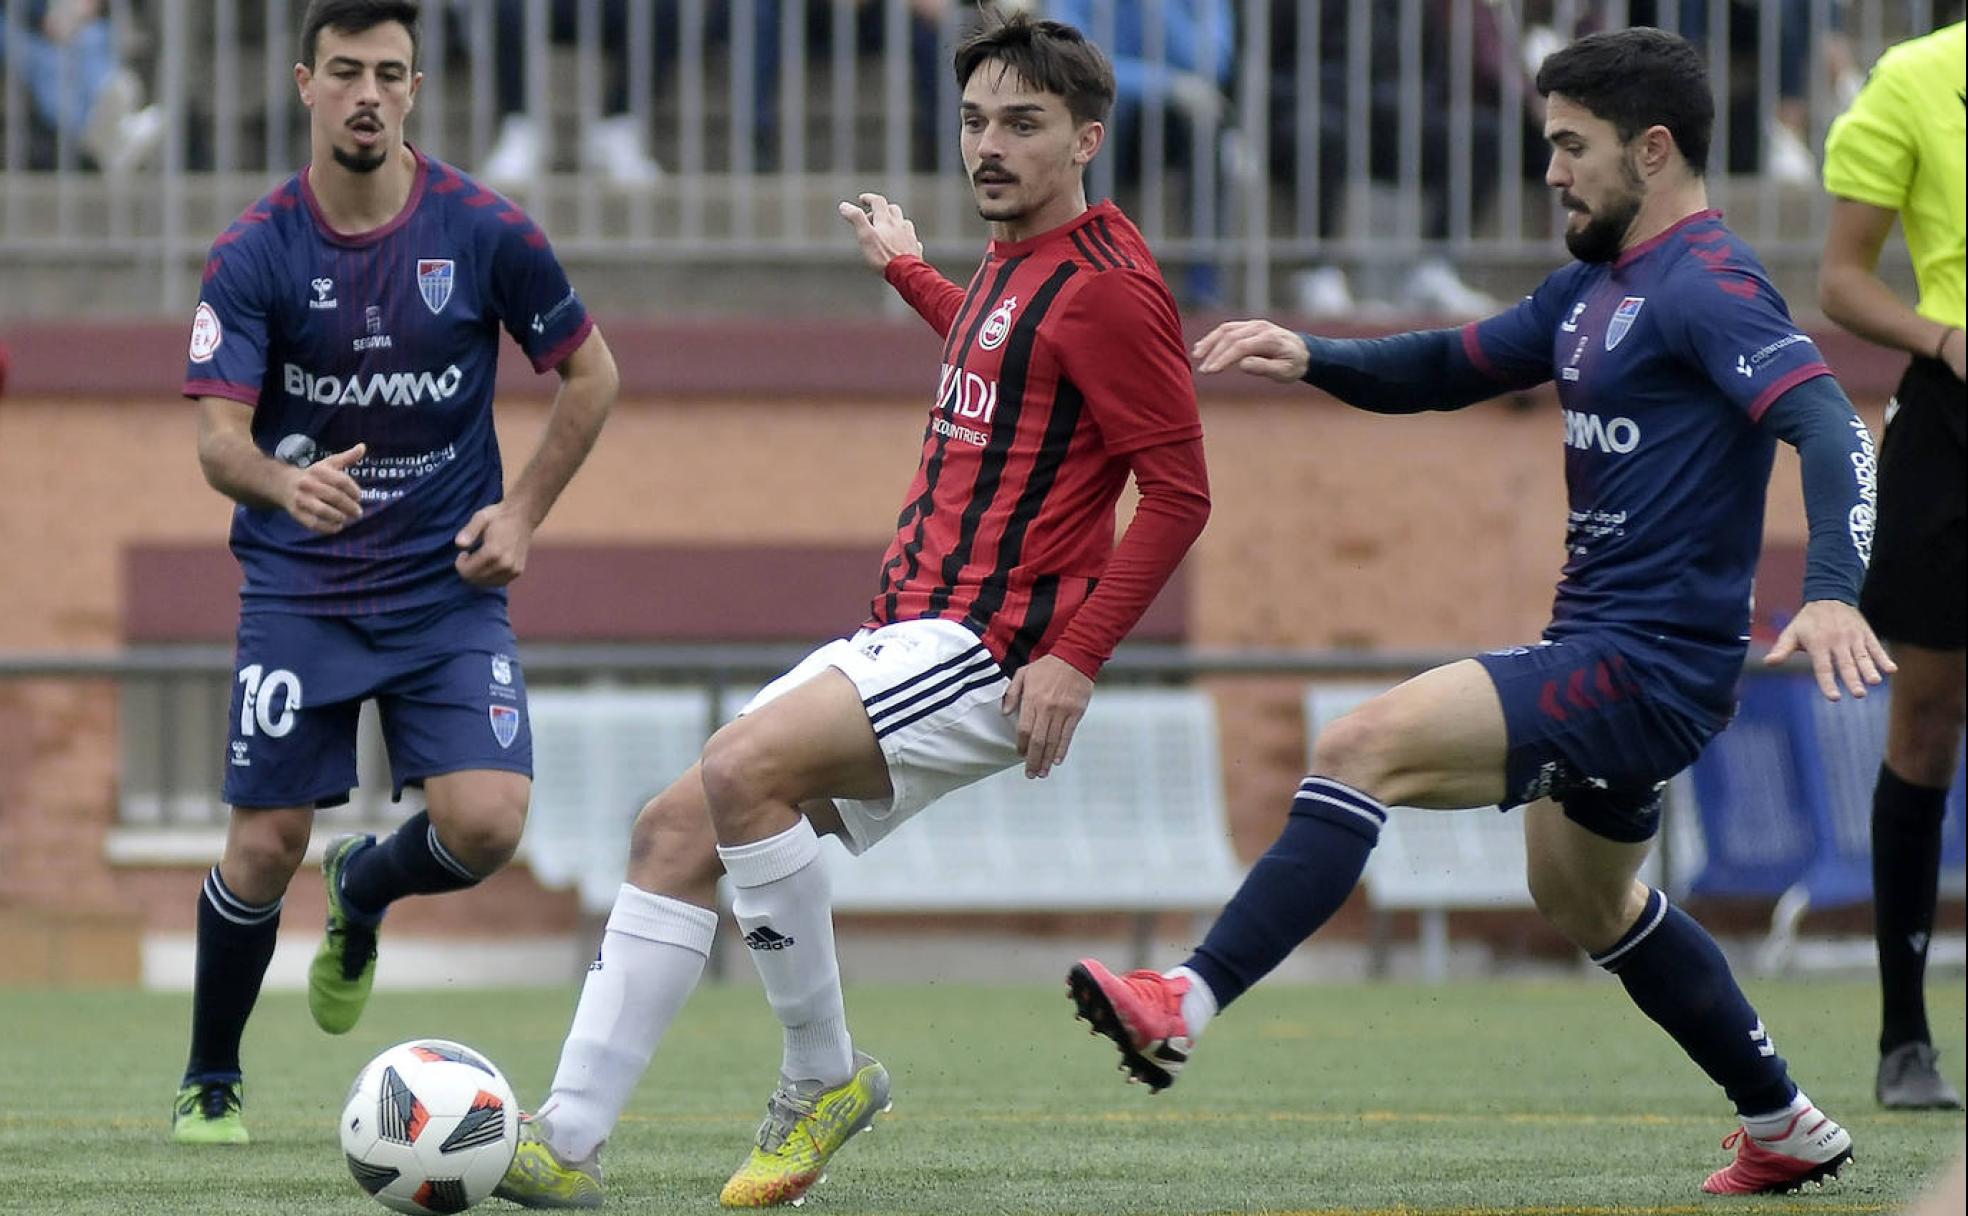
x=1666, y=360
x=389, y=338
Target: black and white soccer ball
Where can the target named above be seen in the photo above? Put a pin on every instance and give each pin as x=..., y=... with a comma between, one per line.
x=429, y=1126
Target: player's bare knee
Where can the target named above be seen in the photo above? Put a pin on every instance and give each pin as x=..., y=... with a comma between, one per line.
x=485, y=841
x=261, y=854
x=484, y=834
x=1354, y=750
x=1922, y=747
x=738, y=774
x=672, y=847
x=1589, y=917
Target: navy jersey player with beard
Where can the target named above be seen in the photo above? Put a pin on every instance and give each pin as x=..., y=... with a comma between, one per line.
x=343, y=355
x=1679, y=369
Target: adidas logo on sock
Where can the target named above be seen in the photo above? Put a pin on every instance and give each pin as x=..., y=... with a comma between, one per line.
x=765, y=937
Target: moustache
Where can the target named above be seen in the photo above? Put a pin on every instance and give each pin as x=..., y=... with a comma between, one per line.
x=1573, y=204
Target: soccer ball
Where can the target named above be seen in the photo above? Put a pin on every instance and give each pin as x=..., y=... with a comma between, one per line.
x=429, y=1126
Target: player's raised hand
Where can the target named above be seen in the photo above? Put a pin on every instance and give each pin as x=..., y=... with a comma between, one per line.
x=1050, y=697
x=881, y=230
x=323, y=498
x=493, y=544
x=1255, y=347
x=1839, y=641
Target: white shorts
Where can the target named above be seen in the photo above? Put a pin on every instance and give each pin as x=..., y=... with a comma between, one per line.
x=932, y=692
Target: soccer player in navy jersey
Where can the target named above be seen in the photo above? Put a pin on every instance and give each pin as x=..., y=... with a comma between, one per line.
x=1678, y=368
x=1001, y=596
x=343, y=354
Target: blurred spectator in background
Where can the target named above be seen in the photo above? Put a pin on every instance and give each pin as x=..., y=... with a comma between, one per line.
x=66, y=51
x=1319, y=94
x=1183, y=70
x=612, y=145
x=1187, y=80
x=928, y=64
x=1786, y=152
x=1890, y=159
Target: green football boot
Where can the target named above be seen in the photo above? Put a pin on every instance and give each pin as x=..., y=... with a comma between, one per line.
x=208, y=1112
x=805, y=1125
x=538, y=1178
x=344, y=968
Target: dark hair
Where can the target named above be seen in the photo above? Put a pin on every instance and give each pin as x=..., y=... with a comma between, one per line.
x=1048, y=55
x=1635, y=79
x=355, y=16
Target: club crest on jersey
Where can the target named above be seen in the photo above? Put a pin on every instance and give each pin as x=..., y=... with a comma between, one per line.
x=434, y=279
x=997, y=326
x=505, y=723
x=1623, y=318
x=502, y=669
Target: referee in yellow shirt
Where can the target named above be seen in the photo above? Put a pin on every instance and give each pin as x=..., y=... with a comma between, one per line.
x=1898, y=154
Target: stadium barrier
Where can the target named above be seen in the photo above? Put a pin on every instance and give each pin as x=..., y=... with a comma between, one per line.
x=1135, y=821
x=1777, y=808
x=1784, y=800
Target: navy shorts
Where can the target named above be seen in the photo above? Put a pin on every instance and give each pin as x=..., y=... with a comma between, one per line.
x=445, y=678
x=1589, y=728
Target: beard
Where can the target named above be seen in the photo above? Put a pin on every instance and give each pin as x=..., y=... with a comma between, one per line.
x=1605, y=230
x=360, y=160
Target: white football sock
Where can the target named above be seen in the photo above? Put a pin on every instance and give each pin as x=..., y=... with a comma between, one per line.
x=1772, y=1126
x=782, y=901
x=1198, y=1004
x=651, y=957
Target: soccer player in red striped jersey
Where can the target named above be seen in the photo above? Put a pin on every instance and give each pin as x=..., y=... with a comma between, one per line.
x=1001, y=596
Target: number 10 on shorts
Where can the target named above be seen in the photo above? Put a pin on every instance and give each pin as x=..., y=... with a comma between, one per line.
x=271, y=701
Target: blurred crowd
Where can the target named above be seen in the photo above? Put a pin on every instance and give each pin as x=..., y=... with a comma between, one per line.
x=76, y=66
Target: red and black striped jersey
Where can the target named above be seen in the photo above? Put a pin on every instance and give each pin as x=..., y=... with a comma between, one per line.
x=1063, y=361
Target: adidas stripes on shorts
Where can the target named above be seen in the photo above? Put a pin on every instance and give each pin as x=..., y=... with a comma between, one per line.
x=932, y=692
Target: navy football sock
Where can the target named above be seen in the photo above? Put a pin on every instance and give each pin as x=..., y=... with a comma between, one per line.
x=1676, y=974
x=1906, y=867
x=1293, y=889
x=409, y=861
x=235, y=944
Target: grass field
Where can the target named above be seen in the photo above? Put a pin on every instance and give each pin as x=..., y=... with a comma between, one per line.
x=1508, y=1097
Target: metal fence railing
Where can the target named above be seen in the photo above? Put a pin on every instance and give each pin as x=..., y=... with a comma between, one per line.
x=1255, y=140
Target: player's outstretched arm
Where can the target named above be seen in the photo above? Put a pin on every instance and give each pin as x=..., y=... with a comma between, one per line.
x=1257, y=348
x=881, y=230
x=493, y=544
x=1836, y=463
x=1840, y=644
x=1425, y=369
x=322, y=498
x=887, y=240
